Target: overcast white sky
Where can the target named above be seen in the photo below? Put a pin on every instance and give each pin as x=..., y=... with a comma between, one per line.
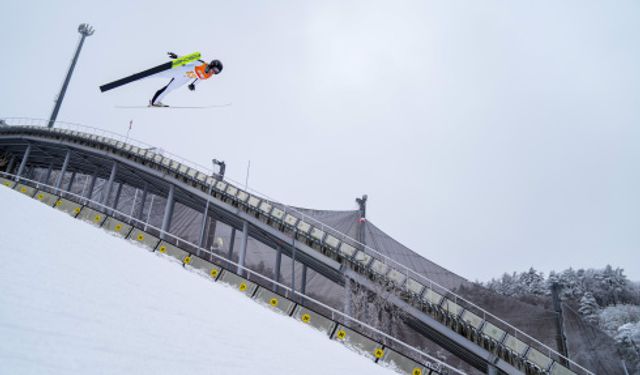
x=490, y=136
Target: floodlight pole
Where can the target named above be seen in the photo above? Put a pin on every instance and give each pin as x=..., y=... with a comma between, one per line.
x=85, y=30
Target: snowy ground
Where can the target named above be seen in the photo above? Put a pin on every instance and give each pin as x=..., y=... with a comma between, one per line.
x=75, y=300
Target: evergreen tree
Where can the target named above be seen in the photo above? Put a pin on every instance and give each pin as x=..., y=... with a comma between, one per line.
x=532, y=282
x=589, y=308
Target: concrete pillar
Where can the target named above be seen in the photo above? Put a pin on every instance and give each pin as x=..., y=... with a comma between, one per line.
x=107, y=188
x=63, y=170
x=168, y=212
x=23, y=163
x=243, y=247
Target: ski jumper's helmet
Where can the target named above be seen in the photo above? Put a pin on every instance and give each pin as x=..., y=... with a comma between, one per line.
x=214, y=65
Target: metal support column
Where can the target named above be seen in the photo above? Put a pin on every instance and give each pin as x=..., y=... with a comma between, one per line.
x=243, y=246
x=303, y=285
x=73, y=177
x=63, y=170
x=143, y=200
x=293, y=265
x=168, y=212
x=117, y=199
x=347, y=296
x=23, y=163
x=205, y=213
x=278, y=263
x=232, y=242
x=106, y=191
x=92, y=185
x=48, y=174
x=211, y=233
x=12, y=161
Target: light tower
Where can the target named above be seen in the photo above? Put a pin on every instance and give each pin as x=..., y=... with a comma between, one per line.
x=85, y=30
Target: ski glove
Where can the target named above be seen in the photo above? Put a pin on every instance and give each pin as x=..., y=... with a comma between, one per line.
x=172, y=55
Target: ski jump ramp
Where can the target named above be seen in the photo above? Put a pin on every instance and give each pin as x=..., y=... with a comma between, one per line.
x=210, y=224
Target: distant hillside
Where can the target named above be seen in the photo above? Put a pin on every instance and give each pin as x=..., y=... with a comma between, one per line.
x=596, y=302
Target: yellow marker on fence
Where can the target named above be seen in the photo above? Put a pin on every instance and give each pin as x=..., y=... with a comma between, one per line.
x=40, y=197
x=187, y=259
x=213, y=273
x=341, y=334
x=97, y=218
x=140, y=237
x=23, y=189
x=242, y=287
x=59, y=203
x=76, y=210
x=416, y=371
x=378, y=353
x=306, y=318
x=118, y=227
x=7, y=183
x=273, y=302
x=162, y=249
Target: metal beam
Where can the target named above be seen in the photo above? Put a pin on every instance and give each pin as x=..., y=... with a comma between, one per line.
x=12, y=161
x=117, y=199
x=106, y=191
x=243, y=247
x=73, y=177
x=303, y=286
x=48, y=175
x=278, y=263
x=168, y=211
x=63, y=170
x=143, y=200
x=232, y=242
x=92, y=184
x=23, y=163
x=205, y=215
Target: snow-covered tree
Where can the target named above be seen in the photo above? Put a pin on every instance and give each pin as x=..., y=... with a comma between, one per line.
x=628, y=342
x=589, y=308
x=613, y=317
x=532, y=282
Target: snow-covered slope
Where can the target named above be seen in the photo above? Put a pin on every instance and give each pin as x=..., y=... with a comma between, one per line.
x=74, y=299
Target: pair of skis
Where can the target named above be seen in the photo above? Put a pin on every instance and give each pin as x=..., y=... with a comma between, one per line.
x=173, y=107
x=181, y=61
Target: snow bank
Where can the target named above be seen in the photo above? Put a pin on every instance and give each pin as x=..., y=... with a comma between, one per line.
x=74, y=299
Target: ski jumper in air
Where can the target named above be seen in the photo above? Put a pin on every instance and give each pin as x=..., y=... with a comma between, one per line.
x=180, y=71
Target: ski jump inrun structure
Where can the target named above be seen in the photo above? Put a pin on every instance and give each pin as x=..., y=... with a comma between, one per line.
x=210, y=224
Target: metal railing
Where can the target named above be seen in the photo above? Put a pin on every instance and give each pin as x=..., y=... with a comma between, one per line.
x=408, y=272
x=289, y=291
